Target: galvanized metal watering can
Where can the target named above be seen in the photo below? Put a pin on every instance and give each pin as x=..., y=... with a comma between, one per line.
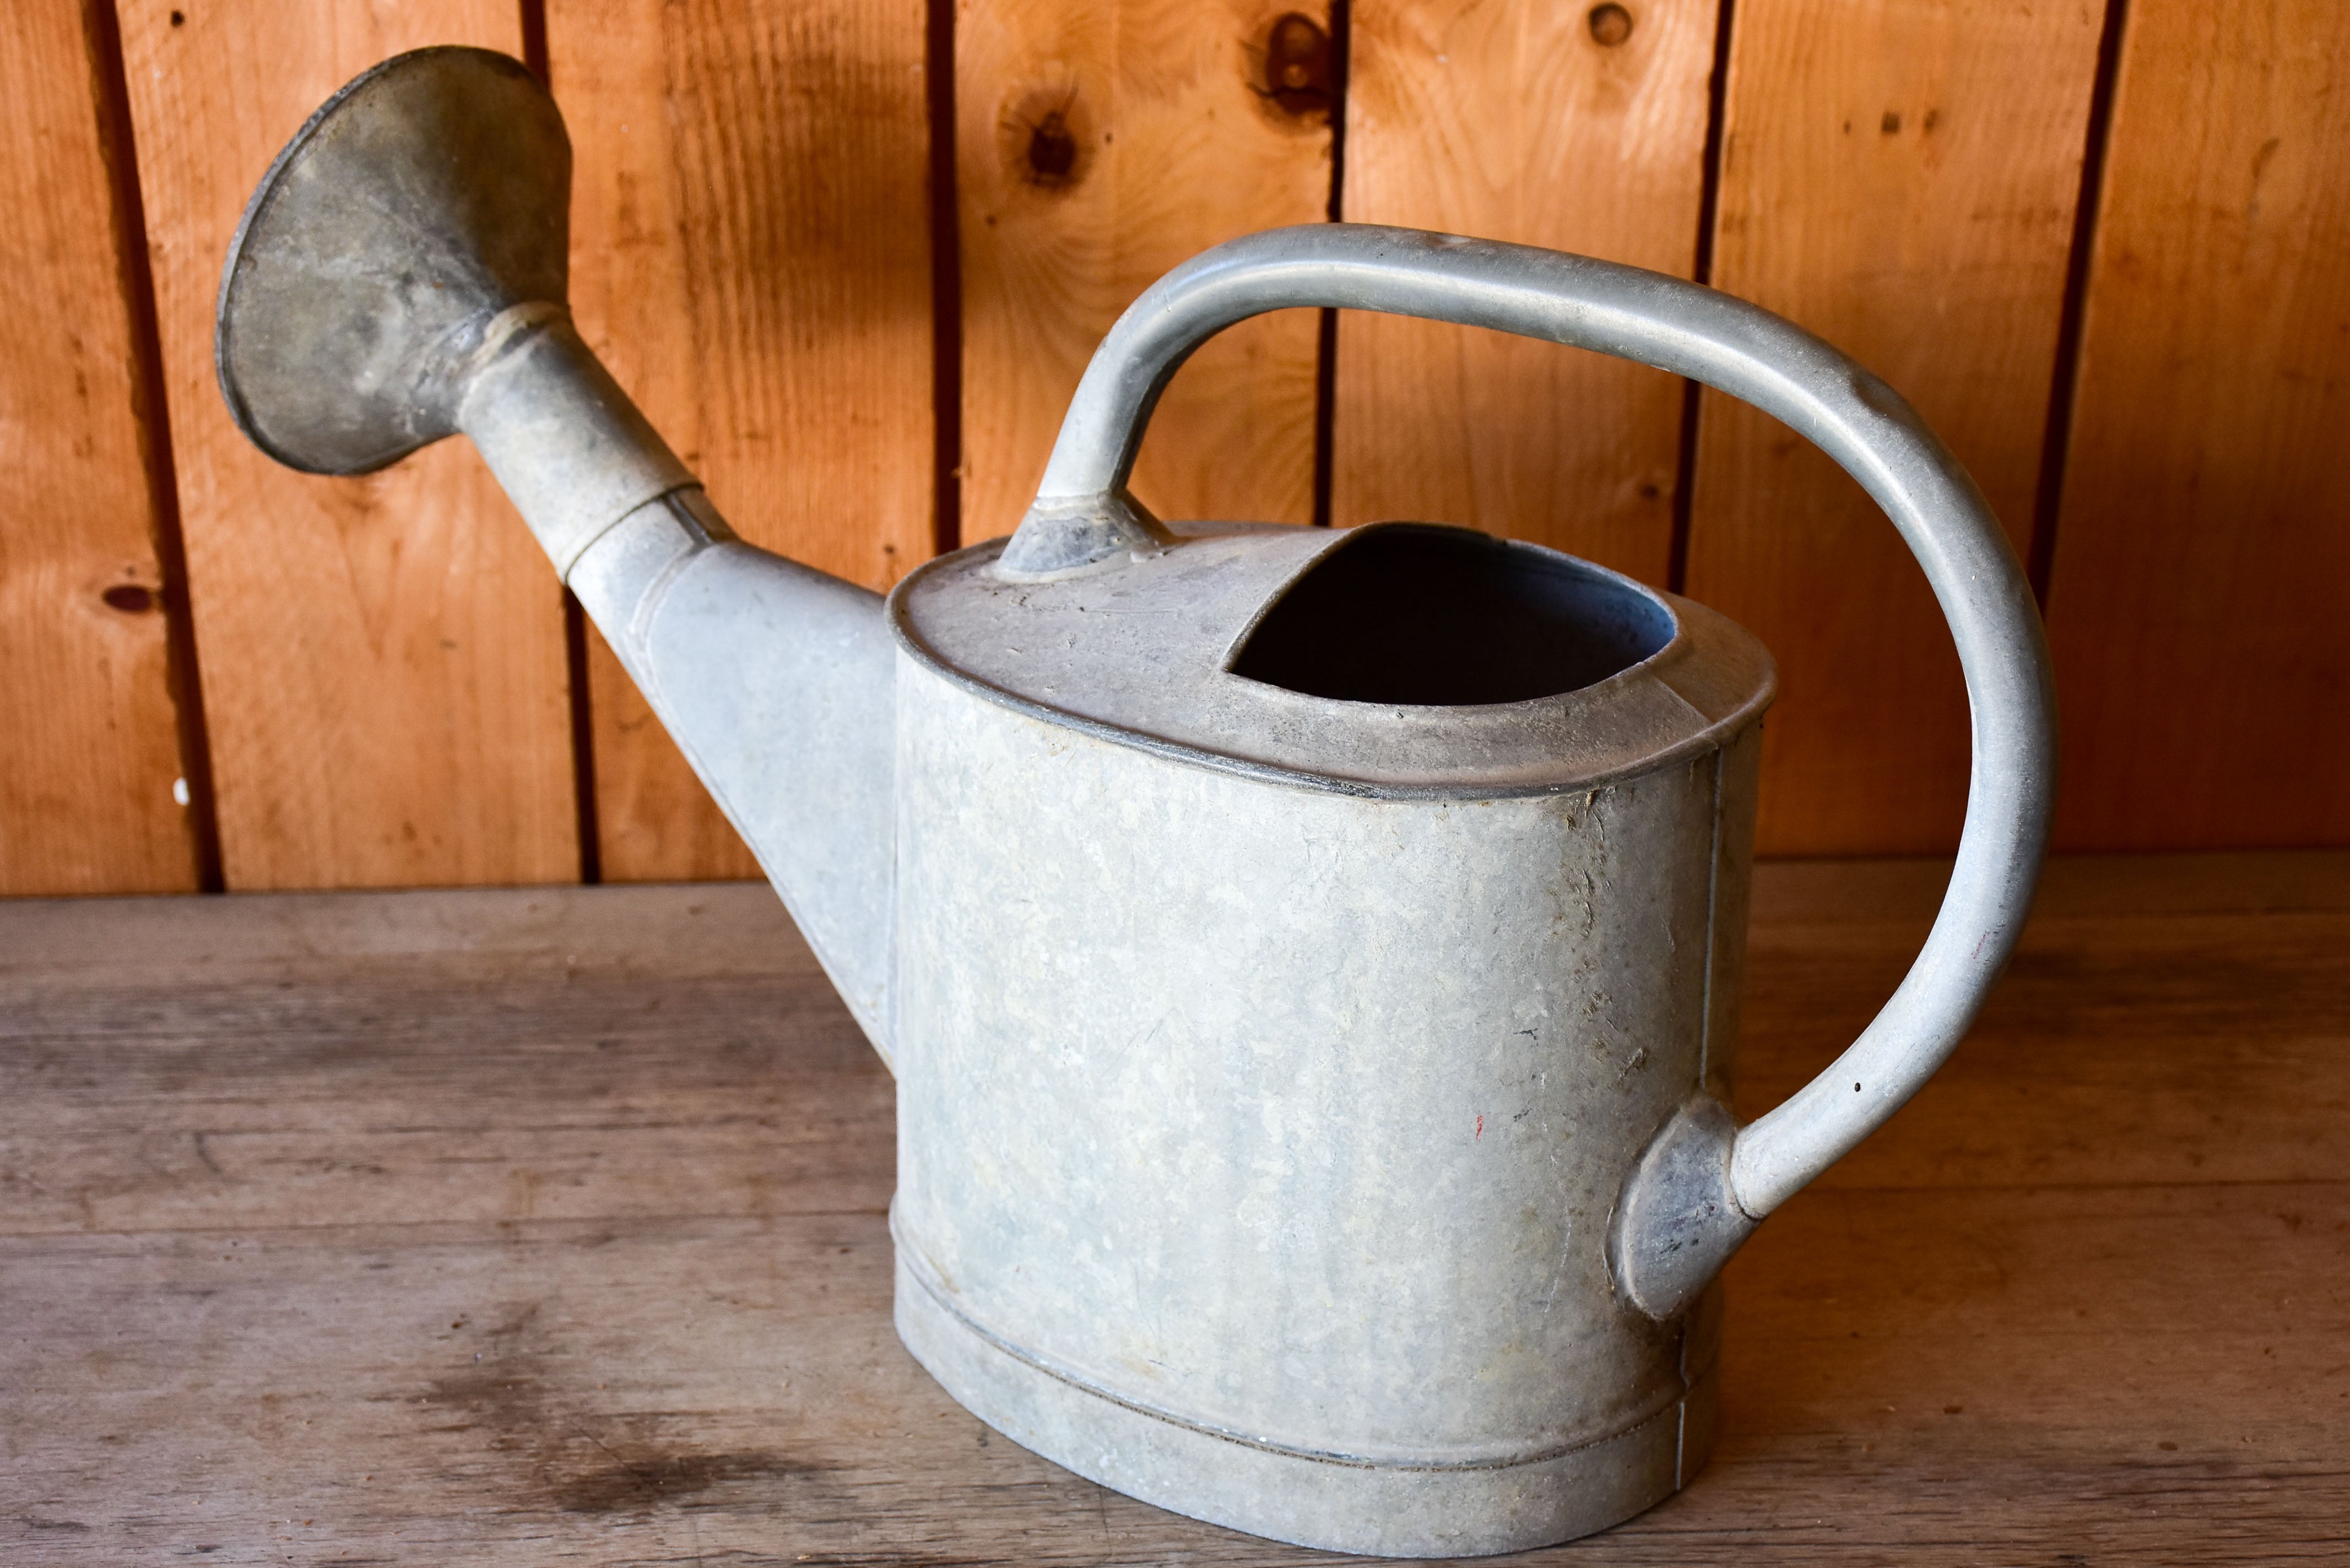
x=1310, y=959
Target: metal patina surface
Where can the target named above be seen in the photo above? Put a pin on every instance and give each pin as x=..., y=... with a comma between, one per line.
x=1258, y=1143
x=1310, y=961
x=1148, y=655
x=430, y=193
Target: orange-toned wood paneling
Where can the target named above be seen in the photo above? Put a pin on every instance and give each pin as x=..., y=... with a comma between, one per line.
x=1545, y=125
x=383, y=660
x=382, y=657
x=1096, y=147
x=92, y=754
x=1901, y=177
x=2199, y=601
x=751, y=256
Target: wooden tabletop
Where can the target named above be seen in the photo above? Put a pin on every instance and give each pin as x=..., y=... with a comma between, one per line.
x=535, y=1227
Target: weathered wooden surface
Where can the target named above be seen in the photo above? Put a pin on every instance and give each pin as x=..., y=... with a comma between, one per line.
x=383, y=656
x=751, y=256
x=1542, y=125
x=2199, y=603
x=528, y=1226
x=1096, y=147
x=1900, y=176
x=85, y=777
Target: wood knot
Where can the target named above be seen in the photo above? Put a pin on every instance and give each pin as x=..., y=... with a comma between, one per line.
x=1300, y=72
x=1044, y=139
x=1052, y=151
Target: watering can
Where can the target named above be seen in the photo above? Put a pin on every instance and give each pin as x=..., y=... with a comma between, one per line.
x=1310, y=957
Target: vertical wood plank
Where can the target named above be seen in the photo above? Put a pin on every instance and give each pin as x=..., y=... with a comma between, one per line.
x=2199, y=601
x=92, y=751
x=1900, y=176
x=1547, y=125
x=751, y=256
x=382, y=656
x=1097, y=146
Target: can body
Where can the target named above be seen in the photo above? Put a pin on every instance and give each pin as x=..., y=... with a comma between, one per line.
x=1257, y=1143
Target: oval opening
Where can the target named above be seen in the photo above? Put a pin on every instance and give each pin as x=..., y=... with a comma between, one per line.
x=1429, y=616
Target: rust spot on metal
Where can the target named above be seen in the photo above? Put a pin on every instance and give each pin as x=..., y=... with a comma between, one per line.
x=1610, y=25
x=1300, y=72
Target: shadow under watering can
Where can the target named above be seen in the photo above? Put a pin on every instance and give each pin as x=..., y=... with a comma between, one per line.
x=1309, y=958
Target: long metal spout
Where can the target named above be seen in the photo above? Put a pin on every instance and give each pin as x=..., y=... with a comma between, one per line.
x=399, y=276
x=774, y=678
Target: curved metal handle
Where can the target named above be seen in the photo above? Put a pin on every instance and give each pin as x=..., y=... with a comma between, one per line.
x=1699, y=1191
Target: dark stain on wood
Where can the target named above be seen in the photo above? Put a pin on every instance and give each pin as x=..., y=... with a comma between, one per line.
x=634, y=1485
x=566, y=1456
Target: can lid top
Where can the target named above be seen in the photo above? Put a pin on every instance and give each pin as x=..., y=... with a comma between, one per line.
x=1393, y=660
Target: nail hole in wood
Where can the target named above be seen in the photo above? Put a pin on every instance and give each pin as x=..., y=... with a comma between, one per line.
x=1610, y=25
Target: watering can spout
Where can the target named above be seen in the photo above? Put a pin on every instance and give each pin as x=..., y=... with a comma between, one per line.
x=399, y=276
x=774, y=678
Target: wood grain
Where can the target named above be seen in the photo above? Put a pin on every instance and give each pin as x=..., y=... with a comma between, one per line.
x=1898, y=176
x=638, y=1033
x=2234, y=1010
x=1526, y=123
x=507, y=1227
x=382, y=657
x=751, y=256
x=1096, y=147
x=85, y=779
x=2200, y=600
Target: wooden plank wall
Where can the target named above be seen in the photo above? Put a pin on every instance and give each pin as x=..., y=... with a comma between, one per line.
x=1097, y=146
x=1523, y=123
x=1901, y=177
x=853, y=256
x=2200, y=597
x=751, y=256
x=88, y=770
x=382, y=657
